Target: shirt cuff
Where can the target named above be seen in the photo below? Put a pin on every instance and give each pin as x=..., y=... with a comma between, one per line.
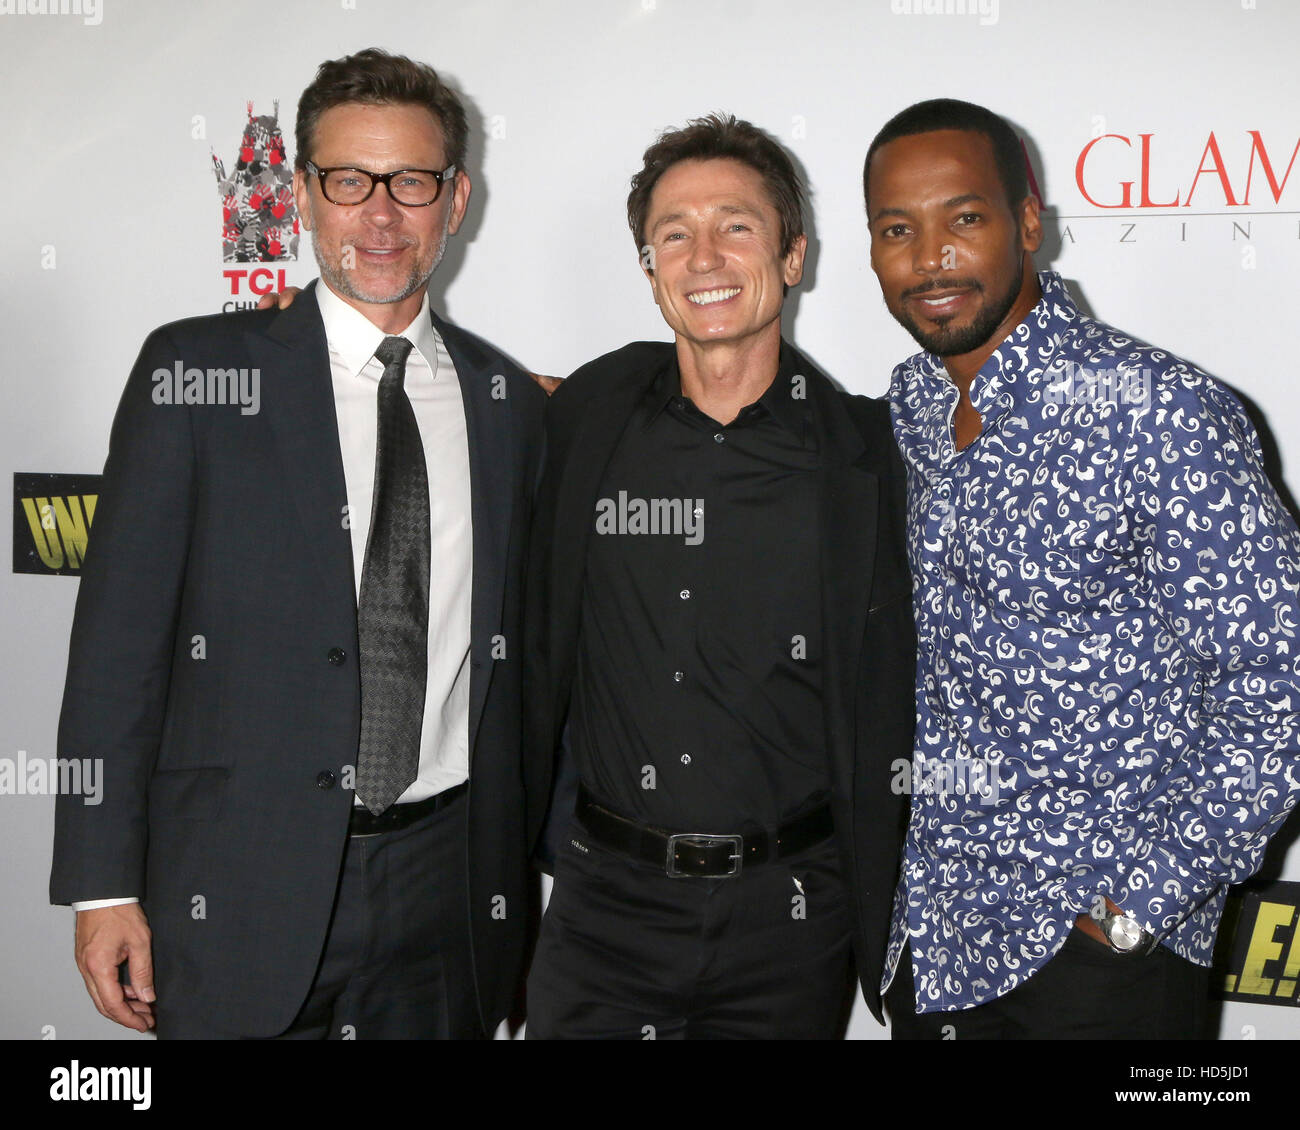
x=96, y=904
x=1160, y=896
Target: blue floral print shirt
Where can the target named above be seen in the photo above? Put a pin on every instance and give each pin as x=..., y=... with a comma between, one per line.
x=1108, y=675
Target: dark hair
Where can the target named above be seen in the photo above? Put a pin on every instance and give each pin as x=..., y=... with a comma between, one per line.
x=950, y=113
x=375, y=77
x=721, y=136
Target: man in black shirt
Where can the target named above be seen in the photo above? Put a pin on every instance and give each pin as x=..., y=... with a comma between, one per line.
x=721, y=634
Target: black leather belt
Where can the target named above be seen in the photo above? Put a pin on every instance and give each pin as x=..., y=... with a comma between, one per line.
x=700, y=855
x=363, y=822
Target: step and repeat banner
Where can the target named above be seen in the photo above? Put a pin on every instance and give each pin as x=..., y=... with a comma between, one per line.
x=148, y=155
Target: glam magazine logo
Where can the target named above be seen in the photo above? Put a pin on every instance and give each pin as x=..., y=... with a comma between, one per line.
x=1220, y=184
x=259, y=220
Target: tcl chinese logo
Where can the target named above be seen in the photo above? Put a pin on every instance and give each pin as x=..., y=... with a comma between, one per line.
x=259, y=222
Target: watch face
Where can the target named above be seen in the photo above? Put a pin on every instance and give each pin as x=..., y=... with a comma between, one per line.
x=1124, y=933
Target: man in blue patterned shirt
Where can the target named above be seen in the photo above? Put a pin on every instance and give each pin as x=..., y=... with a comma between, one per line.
x=1108, y=679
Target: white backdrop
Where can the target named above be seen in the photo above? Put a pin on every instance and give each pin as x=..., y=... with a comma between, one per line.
x=111, y=224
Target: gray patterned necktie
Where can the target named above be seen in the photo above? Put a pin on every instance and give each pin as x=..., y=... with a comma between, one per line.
x=393, y=609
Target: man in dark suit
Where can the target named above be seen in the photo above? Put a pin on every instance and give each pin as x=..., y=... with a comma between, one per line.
x=295, y=645
x=720, y=634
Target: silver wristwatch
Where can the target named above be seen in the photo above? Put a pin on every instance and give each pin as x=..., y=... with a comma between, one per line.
x=1125, y=935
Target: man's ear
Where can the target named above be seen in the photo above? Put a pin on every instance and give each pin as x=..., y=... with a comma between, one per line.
x=1031, y=224
x=459, y=201
x=792, y=274
x=302, y=198
x=648, y=269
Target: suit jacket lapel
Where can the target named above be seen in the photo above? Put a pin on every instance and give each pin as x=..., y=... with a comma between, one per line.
x=302, y=418
x=589, y=451
x=848, y=516
x=489, y=427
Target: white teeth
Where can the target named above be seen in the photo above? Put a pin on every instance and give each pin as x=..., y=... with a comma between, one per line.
x=706, y=297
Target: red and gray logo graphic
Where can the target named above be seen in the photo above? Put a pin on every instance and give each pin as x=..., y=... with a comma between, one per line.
x=259, y=222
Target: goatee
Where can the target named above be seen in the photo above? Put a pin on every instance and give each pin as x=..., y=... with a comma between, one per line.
x=953, y=341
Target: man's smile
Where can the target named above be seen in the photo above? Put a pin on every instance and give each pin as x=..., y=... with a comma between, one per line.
x=381, y=251
x=941, y=301
x=712, y=297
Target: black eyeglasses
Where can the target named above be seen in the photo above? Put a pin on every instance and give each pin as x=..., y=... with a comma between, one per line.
x=412, y=188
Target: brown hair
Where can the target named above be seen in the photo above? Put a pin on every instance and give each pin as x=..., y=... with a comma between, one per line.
x=721, y=136
x=375, y=77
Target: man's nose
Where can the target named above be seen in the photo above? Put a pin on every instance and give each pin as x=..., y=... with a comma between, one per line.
x=381, y=209
x=705, y=254
x=932, y=252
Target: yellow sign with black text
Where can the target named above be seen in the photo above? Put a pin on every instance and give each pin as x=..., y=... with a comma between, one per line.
x=53, y=515
x=1257, y=957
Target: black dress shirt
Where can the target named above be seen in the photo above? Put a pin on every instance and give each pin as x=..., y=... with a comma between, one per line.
x=697, y=695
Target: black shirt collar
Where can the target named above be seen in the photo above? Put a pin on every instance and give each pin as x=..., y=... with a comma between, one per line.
x=785, y=399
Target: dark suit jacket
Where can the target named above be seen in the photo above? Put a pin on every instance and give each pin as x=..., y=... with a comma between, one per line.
x=866, y=603
x=205, y=670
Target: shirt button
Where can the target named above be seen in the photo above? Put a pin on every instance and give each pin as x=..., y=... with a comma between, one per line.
x=718, y=437
x=686, y=759
x=336, y=655
x=685, y=594
x=324, y=779
x=678, y=676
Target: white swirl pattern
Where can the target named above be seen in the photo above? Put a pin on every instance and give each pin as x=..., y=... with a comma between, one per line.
x=1106, y=611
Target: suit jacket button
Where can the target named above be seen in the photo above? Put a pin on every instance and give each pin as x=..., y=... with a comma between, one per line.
x=336, y=656
x=325, y=779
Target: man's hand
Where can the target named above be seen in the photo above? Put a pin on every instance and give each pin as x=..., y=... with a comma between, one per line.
x=281, y=299
x=105, y=938
x=549, y=384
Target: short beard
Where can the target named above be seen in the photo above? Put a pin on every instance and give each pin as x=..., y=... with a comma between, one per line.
x=340, y=281
x=946, y=342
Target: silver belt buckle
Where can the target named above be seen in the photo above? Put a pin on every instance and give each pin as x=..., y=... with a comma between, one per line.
x=700, y=839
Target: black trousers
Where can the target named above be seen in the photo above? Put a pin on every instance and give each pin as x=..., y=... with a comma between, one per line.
x=628, y=952
x=396, y=962
x=1086, y=992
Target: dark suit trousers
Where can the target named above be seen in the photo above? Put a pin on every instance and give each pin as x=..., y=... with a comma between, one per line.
x=628, y=952
x=396, y=963
x=1086, y=992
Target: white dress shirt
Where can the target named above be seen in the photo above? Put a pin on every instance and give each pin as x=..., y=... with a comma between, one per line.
x=433, y=389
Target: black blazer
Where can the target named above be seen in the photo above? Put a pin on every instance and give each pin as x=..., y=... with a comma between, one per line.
x=213, y=669
x=866, y=611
